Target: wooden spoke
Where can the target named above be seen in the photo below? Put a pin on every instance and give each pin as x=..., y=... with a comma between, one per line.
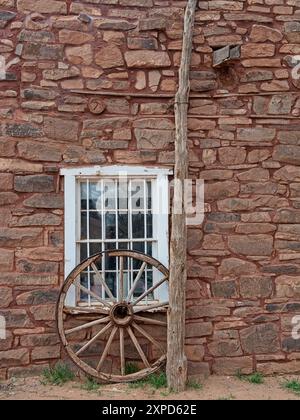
x=121, y=280
x=135, y=283
x=138, y=347
x=88, y=325
x=103, y=282
x=150, y=307
x=107, y=347
x=98, y=298
x=145, y=320
x=122, y=351
x=148, y=336
x=106, y=328
x=149, y=291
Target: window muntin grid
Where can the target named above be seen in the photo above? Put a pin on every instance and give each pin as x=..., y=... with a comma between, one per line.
x=115, y=214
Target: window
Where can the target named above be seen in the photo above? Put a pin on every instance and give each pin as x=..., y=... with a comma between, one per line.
x=115, y=208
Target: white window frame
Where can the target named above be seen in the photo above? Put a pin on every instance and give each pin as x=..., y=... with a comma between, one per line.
x=161, y=213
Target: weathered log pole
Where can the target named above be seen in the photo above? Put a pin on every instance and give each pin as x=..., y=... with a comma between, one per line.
x=176, y=360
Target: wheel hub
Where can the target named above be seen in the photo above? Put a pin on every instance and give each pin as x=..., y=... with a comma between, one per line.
x=121, y=314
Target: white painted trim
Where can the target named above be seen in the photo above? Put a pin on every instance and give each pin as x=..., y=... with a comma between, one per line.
x=115, y=170
x=160, y=210
x=70, y=233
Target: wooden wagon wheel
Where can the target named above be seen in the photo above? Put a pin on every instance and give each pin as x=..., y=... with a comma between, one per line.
x=115, y=316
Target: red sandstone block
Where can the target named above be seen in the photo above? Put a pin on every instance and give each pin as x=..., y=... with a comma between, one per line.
x=232, y=365
x=6, y=297
x=43, y=312
x=14, y=357
x=45, y=353
x=32, y=370
x=6, y=260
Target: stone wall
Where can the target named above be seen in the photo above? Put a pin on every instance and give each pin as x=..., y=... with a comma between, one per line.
x=93, y=82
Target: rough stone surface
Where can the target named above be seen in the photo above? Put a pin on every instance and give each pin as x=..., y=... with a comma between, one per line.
x=13, y=237
x=231, y=365
x=153, y=139
x=45, y=201
x=74, y=37
x=80, y=55
x=109, y=57
x=260, y=33
x=5, y=18
x=251, y=244
x=225, y=289
x=6, y=297
x=13, y=357
x=34, y=183
x=199, y=329
x=225, y=348
x=42, y=6
x=292, y=367
x=40, y=152
x=22, y=130
x=235, y=267
x=260, y=339
x=288, y=287
x=232, y=155
x=61, y=129
x=147, y=59
x=256, y=287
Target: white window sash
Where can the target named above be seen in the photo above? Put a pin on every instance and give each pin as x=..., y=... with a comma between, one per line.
x=160, y=216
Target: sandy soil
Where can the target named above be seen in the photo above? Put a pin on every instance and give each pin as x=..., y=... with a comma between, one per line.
x=214, y=388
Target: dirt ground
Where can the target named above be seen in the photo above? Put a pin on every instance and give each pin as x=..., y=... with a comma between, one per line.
x=213, y=388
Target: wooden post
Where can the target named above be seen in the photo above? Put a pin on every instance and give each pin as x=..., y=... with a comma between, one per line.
x=176, y=360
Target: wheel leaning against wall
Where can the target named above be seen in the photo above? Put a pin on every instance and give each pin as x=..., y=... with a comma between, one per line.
x=114, y=319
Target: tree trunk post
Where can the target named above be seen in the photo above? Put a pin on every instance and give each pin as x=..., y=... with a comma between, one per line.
x=177, y=361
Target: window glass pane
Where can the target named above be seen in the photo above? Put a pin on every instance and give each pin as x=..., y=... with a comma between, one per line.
x=83, y=252
x=111, y=281
x=140, y=288
x=149, y=195
x=84, y=281
x=95, y=225
x=83, y=225
x=149, y=276
x=83, y=195
x=149, y=248
x=123, y=194
x=110, y=226
x=150, y=284
x=95, y=248
x=137, y=195
x=140, y=247
x=123, y=225
x=110, y=262
x=149, y=225
x=138, y=225
x=124, y=245
x=109, y=194
x=107, y=219
x=96, y=286
x=95, y=196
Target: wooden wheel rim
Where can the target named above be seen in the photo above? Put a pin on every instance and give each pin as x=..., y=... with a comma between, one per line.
x=117, y=322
